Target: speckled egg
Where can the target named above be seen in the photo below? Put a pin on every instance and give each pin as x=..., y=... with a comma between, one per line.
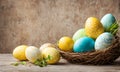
x=93, y=27
x=79, y=34
x=103, y=41
x=107, y=20
x=84, y=44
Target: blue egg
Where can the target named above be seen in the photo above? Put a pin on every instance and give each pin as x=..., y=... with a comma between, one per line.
x=103, y=41
x=107, y=20
x=84, y=44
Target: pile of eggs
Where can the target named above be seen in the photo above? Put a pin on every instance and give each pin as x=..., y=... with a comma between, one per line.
x=34, y=54
x=94, y=36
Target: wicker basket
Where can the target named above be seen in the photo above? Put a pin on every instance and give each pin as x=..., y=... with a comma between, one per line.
x=100, y=57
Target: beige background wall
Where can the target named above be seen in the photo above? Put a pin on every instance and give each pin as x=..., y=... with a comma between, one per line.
x=34, y=22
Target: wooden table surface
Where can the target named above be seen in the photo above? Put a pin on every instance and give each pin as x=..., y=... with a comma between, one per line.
x=62, y=66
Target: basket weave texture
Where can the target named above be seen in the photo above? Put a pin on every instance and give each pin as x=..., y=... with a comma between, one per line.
x=99, y=57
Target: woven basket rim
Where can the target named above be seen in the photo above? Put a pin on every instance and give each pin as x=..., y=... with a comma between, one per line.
x=95, y=57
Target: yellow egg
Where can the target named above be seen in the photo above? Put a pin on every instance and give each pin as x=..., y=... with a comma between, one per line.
x=19, y=52
x=93, y=27
x=53, y=53
x=66, y=44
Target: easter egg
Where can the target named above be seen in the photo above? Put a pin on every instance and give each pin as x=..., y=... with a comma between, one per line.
x=84, y=44
x=46, y=45
x=32, y=54
x=79, y=34
x=93, y=27
x=53, y=53
x=103, y=41
x=66, y=44
x=19, y=52
x=107, y=20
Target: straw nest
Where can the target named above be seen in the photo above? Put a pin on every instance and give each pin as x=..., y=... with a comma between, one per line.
x=99, y=57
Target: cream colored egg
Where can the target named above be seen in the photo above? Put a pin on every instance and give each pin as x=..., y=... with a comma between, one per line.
x=46, y=45
x=32, y=54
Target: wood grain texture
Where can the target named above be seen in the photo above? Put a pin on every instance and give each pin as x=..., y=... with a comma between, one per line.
x=62, y=66
x=34, y=22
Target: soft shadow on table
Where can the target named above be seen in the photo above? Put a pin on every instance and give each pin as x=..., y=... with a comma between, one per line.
x=116, y=63
x=61, y=63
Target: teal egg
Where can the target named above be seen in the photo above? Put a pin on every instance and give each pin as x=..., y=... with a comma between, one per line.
x=103, y=41
x=79, y=34
x=84, y=44
x=107, y=20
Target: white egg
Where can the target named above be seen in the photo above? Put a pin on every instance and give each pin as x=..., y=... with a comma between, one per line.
x=103, y=41
x=32, y=54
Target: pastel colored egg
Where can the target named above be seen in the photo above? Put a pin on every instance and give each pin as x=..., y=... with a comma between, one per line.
x=32, y=54
x=53, y=53
x=103, y=41
x=19, y=52
x=45, y=45
x=107, y=20
x=84, y=44
x=79, y=34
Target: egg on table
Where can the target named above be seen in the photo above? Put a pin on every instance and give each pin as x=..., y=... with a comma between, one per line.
x=103, y=41
x=84, y=44
x=32, y=54
x=107, y=20
x=45, y=45
x=19, y=52
x=53, y=53
x=79, y=34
